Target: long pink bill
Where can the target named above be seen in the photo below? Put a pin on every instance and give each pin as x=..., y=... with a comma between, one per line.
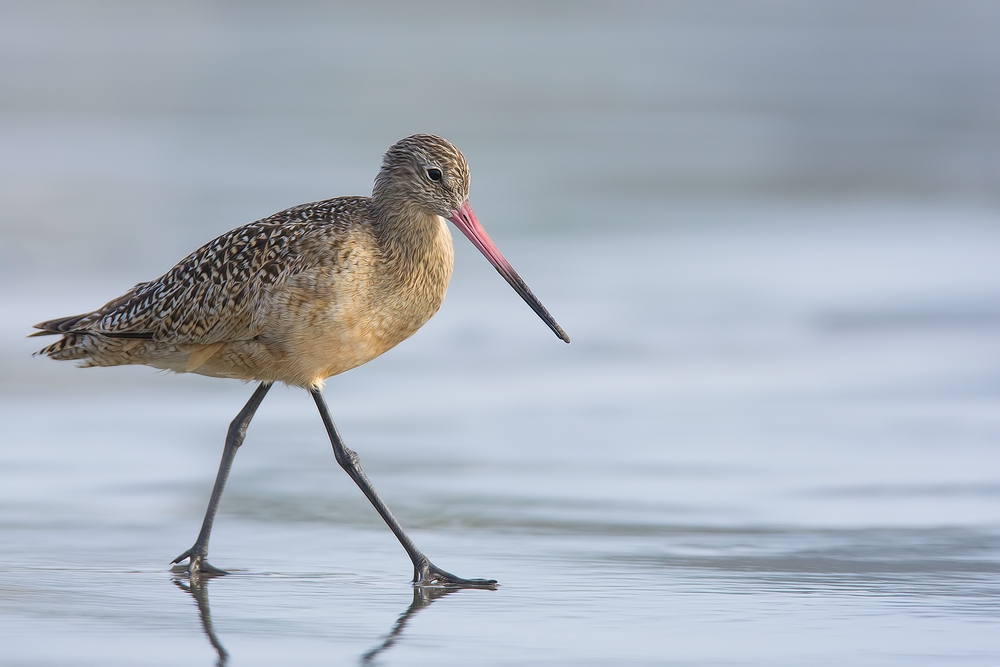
x=465, y=220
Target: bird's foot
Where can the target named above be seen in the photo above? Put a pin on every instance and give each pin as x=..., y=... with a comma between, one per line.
x=430, y=575
x=197, y=565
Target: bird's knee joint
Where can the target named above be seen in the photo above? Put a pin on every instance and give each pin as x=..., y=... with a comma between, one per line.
x=236, y=434
x=349, y=458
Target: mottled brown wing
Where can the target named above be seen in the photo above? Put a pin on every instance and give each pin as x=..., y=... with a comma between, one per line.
x=214, y=293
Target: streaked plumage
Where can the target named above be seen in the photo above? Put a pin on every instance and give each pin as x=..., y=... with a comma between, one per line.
x=296, y=297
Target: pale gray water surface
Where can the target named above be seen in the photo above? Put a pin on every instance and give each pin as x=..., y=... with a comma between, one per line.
x=776, y=447
x=771, y=230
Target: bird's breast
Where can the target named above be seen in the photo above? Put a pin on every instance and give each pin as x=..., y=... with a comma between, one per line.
x=370, y=297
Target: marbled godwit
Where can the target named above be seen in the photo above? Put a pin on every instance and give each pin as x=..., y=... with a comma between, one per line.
x=298, y=297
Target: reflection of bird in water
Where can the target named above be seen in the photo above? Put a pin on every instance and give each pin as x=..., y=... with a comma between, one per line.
x=300, y=296
x=199, y=591
x=423, y=596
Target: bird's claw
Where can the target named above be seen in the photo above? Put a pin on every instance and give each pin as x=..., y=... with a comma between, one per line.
x=197, y=565
x=430, y=575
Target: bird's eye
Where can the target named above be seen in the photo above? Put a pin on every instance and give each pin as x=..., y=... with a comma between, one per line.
x=434, y=174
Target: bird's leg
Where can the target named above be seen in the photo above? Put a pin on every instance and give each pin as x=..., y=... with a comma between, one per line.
x=425, y=573
x=197, y=555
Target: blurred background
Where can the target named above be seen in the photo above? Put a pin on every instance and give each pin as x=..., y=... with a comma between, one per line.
x=772, y=230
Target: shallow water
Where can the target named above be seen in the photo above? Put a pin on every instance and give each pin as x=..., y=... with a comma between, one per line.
x=770, y=229
x=747, y=456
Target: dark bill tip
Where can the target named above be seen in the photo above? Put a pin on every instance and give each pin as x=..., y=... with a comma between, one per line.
x=466, y=221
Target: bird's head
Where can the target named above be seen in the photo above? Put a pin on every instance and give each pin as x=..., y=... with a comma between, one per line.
x=425, y=172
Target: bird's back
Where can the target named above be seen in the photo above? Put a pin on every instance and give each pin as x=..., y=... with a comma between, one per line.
x=295, y=297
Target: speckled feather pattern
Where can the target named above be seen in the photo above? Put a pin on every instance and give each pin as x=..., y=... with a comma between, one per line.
x=210, y=295
x=296, y=297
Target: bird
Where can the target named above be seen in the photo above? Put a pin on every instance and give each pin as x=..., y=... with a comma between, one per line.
x=298, y=297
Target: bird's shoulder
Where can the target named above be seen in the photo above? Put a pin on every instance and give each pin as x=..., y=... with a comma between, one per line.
x=262, y=251
x=214, y=293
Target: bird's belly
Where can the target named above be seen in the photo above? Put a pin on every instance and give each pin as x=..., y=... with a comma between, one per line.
x=330, y=337
x=302, y=361
x=333, y=351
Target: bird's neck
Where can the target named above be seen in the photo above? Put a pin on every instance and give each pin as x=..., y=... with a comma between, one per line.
x=414, y=244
